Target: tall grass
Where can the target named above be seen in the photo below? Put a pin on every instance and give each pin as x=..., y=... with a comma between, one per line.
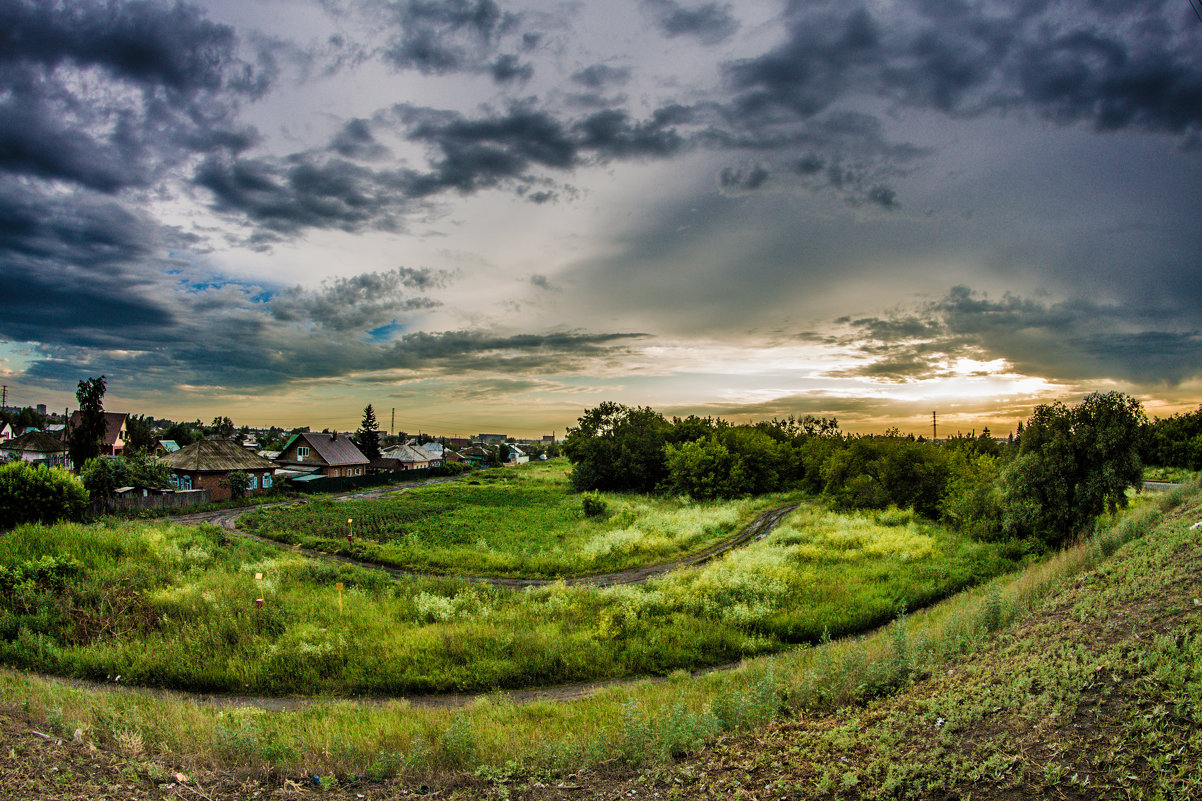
x=523, y=522
x=189, y=608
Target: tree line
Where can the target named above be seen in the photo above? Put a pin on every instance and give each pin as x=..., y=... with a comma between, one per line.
x=1065, y=467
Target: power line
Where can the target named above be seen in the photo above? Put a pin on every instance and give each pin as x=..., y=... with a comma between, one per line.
x=1196, y=5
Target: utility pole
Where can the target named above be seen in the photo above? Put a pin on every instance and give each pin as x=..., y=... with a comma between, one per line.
x=934, y=428
x=392, y=428
x=4, y=397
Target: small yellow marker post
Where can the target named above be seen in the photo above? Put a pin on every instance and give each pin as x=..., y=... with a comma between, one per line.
x=350, y=531
x=259, y=583
x=338, y=586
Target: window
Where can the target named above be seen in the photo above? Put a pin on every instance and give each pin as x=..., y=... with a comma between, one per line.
x=301, y=451
x=266, y=481
x=254, y=482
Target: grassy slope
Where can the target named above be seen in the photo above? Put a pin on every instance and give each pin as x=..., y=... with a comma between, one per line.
x=1095, y=695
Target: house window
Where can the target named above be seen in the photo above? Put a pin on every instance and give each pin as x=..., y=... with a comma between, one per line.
x=266, y=481
x=254, y=482
x=301, y=451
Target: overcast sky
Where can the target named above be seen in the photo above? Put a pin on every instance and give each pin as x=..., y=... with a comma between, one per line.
x=492, y=215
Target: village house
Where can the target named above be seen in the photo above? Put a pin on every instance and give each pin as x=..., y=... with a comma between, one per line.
x=332, y=455
x=207, y=463
x=115, y=433
x=37, y=447
x=411, y=457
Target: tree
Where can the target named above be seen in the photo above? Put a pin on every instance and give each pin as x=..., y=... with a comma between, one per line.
x=181, y=434
x=617, y=447
x=237, y=482
x=84, y=439
x=103, y=475
x=222, y=427
x=139, y=436
x=367, y=438
x=1074, y=463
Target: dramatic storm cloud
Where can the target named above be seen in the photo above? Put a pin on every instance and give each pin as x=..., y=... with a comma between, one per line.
x=494, y=211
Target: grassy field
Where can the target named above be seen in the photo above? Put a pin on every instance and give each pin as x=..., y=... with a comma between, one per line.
x=514, y=522
x=176, y=606
x=1090, y=690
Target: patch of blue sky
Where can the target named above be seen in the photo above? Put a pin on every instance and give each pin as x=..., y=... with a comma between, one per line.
x=385, y=333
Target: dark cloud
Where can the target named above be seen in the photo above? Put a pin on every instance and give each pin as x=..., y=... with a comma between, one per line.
x=171, y=82
x=1134, y=66
x=284, y=196
x=741, y=180
x=437, y=37
x=360, y=302
x=710, y=23
x=71, y=270
x=1070, y=340
x=601, y=76
x=509, y=68
x=356, y=141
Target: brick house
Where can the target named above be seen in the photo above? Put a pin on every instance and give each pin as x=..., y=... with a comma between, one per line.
x=205, y=464
x=333, y=455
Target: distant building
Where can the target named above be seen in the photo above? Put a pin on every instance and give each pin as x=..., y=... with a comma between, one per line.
x=490, y=439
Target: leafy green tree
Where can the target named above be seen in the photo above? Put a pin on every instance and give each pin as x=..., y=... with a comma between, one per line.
x=367, y=438
x=1174, y=441
x=145, y=471
x=104, y=475
x=222, y=427
x=618, y=447
x=181, y=434
x=701, y=469
x=1074, y=463
x=32, y=493
x=237, y=482
x=139, y=436
x=84, y=440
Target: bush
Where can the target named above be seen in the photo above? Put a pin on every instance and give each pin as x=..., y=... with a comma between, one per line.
x=37, y=493
x=593, y=504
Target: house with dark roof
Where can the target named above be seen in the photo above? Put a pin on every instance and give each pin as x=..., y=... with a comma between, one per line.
x=37, y=447
x=332, y=455
x=207, y=463
x=115, y=433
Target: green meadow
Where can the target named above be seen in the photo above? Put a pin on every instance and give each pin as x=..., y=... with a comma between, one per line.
x=521, y=522
x=175, y=606
x=492, y=737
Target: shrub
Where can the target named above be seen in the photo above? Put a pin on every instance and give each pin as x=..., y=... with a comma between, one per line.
x=33, y=493
x=593, y=505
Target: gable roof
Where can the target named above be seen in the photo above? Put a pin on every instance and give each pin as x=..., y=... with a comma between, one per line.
x=36, y=442
x=409, y=454
x=333, y=449
x=113, y=421
x=215, y=456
